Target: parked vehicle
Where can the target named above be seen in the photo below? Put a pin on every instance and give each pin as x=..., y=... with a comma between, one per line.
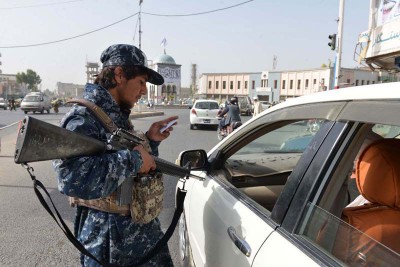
x=276, y=193
x=245, y=105
x=36, y=102
x=204, y=112
x=3, y=103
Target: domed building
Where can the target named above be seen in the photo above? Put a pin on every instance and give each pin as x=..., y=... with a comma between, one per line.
x=170, y=90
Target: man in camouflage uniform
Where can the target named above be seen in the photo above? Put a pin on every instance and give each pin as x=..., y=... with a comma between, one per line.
x=111, y=237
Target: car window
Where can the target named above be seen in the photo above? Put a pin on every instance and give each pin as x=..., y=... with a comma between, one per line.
x=354, y=218
x=207, y=105
x=32, y=99
x=261, y=167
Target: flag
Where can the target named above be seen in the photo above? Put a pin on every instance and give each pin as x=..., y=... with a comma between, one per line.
x=164, y=42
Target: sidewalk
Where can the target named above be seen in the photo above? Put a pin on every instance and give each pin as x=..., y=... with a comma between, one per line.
x=143, y=114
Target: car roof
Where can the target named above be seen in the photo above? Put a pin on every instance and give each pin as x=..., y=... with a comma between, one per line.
x=367, y=92
x=206, y=100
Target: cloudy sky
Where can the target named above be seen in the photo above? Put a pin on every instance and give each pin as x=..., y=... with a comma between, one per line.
x=244, y=38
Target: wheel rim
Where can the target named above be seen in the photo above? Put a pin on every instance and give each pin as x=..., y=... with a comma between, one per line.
x=220, y=136
x=182, y=238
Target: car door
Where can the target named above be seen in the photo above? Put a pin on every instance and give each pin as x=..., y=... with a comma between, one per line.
x=315, y=228
x=229, y=217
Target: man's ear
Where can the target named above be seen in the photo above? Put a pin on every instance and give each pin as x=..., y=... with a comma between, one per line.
x=118, y=74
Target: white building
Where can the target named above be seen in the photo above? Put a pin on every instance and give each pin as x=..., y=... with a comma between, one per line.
x=171, y=89
x=222, y=86
x=281, y=85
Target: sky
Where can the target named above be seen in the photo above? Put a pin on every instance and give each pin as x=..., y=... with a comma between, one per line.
x=240, y=39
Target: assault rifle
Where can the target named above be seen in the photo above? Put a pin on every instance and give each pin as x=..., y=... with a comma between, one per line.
x=39, y=141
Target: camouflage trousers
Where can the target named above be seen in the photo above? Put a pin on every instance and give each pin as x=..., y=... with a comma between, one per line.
x=115, y=239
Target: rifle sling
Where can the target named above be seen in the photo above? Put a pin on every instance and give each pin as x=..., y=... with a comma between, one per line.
x=180, y=198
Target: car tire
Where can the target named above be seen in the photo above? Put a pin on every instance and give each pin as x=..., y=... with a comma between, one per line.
x=186, y=259
x=191, y=126
x=42, y=111
x=48, y=111
x=26, y=112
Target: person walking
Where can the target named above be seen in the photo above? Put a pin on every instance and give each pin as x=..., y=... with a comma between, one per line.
x=12, y=104
x=257, y=107
x=105, y=228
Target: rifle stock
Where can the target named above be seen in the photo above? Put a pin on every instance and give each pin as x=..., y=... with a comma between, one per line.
x=39, y=141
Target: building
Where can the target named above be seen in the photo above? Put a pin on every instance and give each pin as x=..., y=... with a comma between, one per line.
x=170, y=91
x=69, y=89
x=270, y=85
x=222, y=86
x=92, y=69
x=281, y=85
x=10, y=88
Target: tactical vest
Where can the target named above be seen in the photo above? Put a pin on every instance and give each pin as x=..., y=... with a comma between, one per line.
x=145, y=191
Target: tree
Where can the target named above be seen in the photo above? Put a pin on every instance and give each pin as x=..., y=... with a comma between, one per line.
x=31, y=78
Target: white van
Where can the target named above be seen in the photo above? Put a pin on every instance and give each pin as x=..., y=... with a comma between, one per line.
x=36, y=101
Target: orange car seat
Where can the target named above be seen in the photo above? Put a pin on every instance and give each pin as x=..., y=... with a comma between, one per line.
x=378, y=180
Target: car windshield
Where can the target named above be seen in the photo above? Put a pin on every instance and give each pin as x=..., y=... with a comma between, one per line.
x=32, y=98
x=207, y=105
x=292, y=138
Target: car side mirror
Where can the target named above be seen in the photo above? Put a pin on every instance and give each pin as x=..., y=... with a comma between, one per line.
x=196, y=158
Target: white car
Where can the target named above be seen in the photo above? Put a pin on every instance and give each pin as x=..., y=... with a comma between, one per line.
x=275, y=193
x=204, y=112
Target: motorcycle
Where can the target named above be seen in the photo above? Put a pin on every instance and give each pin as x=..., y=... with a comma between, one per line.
x=227, y=129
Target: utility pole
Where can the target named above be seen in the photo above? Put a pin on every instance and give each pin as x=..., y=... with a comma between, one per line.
x=140, y=24
x=339, y=44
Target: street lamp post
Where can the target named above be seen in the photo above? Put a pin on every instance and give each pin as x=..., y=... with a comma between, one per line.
x=339, y=44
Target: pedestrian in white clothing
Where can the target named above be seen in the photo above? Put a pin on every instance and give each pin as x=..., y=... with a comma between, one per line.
x=257, y=107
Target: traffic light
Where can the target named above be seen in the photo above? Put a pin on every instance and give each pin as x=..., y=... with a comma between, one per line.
x=332, y=43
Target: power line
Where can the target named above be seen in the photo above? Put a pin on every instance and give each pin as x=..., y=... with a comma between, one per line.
x=38, y=5
x=102, y=28
x=73, y=37
x=199, y=13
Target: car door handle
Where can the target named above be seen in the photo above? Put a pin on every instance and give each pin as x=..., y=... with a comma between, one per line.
x=240, y=243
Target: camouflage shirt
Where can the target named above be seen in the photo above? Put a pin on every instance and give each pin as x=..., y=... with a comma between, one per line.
x=109, y=237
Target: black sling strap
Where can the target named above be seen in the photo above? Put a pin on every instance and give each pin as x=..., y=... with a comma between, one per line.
x=180, y=198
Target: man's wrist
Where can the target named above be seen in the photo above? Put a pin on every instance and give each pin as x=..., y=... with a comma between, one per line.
x=152, y=142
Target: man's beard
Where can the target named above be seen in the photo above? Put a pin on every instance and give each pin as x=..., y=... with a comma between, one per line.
x=126, y=106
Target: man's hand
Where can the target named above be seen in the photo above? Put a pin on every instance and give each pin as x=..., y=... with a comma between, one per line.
x=148, y=160
x=154, y=131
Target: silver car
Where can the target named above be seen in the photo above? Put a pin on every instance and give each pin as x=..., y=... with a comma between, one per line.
x=3, y=103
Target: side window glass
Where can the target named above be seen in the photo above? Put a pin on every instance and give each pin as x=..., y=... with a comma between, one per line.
x=261, y=168
x=356, y=216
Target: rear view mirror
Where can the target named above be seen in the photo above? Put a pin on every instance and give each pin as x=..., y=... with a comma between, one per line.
x=196, y=158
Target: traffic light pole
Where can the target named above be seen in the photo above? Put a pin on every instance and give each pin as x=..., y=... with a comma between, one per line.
x=339, y=44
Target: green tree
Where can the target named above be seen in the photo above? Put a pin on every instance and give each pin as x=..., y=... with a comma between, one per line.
x=31, y=78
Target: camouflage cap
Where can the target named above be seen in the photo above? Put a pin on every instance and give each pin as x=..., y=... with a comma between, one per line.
x=124, y=54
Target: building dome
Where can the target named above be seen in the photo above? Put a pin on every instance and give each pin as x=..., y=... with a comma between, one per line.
x=165, y=59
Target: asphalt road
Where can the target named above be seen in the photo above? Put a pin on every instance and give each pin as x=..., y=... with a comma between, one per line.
x=29, y=236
